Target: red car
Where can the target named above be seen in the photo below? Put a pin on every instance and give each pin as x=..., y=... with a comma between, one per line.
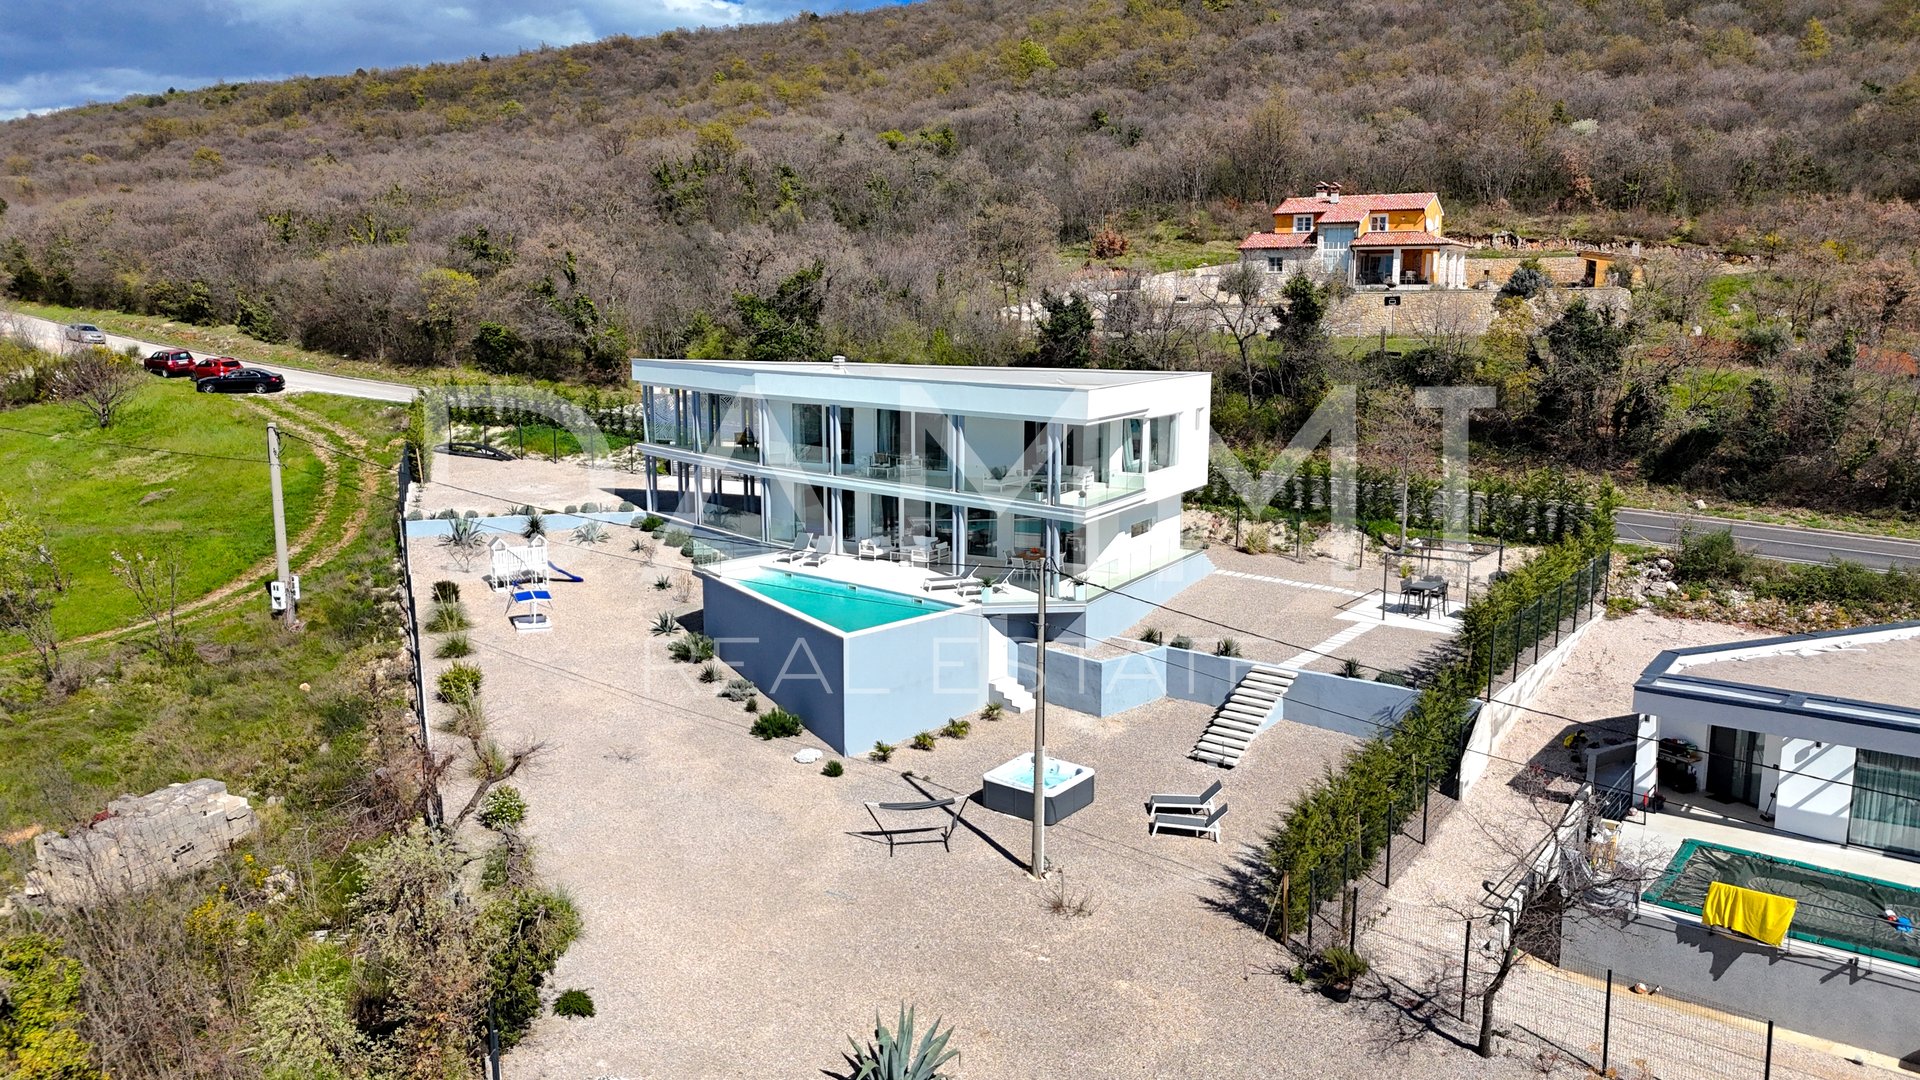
x=208, y=366
x=171, y=362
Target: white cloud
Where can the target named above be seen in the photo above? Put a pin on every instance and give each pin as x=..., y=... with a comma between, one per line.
x=49, y=90
x=560, y=28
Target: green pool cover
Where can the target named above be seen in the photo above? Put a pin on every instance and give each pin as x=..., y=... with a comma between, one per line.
x=1845, y=911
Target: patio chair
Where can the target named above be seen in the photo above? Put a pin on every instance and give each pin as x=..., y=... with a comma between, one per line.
x=873, y=548
x=1190, y=804
x=1197, y=824
x=820, y=552
x=944, y=832
x=799, y=550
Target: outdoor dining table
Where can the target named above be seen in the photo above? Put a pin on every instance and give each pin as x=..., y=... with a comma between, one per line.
x=1427, y=589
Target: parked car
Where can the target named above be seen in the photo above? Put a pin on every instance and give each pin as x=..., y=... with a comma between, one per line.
x=243, y=381
x=170, y=362
x=85, y=334
x=208, y=366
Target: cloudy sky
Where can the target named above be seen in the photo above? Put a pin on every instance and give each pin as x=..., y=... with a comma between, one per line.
x=56, y=53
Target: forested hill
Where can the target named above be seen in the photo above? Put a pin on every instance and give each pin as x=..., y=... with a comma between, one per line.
x=556, y=211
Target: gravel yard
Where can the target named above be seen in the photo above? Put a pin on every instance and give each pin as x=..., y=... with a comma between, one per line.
x=738, y=924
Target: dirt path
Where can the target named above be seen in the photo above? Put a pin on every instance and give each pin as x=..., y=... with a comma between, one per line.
x=325, y=438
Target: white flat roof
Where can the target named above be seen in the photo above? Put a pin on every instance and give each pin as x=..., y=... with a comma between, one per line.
x=1069, y=395
x=1882, y=667
x=968, y=374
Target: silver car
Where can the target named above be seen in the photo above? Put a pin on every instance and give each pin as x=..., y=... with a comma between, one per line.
x=85, y=334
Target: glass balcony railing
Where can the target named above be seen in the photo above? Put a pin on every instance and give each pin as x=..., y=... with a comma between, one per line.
x=1077, y=584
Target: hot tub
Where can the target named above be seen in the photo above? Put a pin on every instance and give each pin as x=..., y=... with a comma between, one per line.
x=1009, y=788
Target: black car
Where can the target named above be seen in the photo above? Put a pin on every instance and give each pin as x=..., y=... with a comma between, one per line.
x=244, y=381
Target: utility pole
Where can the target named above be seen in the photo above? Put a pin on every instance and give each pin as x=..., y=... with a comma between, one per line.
x=1039, y=865
x=289, y=619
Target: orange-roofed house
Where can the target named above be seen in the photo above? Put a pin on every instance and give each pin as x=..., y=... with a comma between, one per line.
x=1386, y=241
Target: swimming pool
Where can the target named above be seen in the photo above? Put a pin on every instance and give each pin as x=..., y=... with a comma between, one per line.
x=1837, y=909
x=841, y=605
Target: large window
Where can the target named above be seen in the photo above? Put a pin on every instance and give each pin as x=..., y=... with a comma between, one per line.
x=1160, y=444
x=1886, y=802
x=1378, y=224
x=1303, y=223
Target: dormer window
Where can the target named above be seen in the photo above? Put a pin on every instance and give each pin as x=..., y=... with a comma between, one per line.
x=1379, y=223
x=1303, y=223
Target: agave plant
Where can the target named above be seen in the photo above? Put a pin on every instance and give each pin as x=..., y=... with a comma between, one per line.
x=590, y=532
x=463, y=540
x=663, y=624
x=536, y=525
x=892, y=1055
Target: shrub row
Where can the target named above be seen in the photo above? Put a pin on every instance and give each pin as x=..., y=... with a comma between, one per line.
x=1333, y=831
x=1544, y=506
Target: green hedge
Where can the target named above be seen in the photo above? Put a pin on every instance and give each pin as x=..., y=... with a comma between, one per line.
x=1333, y=832
x=1544, y=506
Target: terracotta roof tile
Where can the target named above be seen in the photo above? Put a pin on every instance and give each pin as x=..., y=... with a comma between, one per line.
x=1309, y=204
x=1262, y=241
x=1403, y=238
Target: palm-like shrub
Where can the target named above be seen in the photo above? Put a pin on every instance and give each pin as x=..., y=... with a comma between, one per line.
x=663, y=624
x=691, y=649
x=892, y=1055
x=776, y=724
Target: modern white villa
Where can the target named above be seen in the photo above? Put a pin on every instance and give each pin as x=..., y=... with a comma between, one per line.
x=1818, y=734
x=886, y=524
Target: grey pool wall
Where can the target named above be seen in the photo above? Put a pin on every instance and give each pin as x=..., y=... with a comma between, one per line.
x=1109, y=685
x=883, y=684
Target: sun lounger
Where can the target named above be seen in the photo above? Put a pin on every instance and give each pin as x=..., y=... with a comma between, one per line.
x=951, y=581
x=819, y=554
x=1198, y=824
x=800, y=550
x=1185, y=804
x=945, y=832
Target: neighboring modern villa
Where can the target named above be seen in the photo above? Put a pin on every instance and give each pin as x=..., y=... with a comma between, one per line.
x=1816, y=734
x=1370, y=240
x=924, y=498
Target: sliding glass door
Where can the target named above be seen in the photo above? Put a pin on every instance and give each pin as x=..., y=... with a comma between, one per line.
x=1886, y=802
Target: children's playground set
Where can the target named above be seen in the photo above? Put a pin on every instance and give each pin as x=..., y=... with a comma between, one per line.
x=526, y=575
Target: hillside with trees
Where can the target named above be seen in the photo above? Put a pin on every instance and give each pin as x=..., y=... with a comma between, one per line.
x=884, y=184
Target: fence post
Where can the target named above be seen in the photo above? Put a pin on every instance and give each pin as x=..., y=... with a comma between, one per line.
x=1313, y=895
x=1353, y=942
x=1559, y=611
x=1538, y=633
x=1389, y=830
x=1426, y=799
x=1286, y=906
x=1466, y=964
x=1606, y=1025
x=1767, y=1067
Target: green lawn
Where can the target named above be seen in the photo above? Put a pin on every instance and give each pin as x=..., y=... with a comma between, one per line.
x=96, y=493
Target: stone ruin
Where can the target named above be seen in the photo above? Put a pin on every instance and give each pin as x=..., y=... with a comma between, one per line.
x=140, y=841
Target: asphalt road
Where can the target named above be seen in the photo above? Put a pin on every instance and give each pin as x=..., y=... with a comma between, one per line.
x=1787, y=543
x=51, y=336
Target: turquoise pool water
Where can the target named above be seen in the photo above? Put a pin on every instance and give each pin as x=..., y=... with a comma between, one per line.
x=839, y=604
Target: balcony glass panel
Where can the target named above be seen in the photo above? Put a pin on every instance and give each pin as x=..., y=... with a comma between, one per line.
x=1102, y=462
x=799, y=436
x=1005, y=458
x=902, y=447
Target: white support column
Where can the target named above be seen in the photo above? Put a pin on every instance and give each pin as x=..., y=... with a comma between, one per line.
x=1395, y=280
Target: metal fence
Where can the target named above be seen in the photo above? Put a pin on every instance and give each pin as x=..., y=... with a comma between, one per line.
x=1518, y=641
x=430, y=794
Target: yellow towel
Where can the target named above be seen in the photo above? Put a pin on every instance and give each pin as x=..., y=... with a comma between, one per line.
x=1760, y=916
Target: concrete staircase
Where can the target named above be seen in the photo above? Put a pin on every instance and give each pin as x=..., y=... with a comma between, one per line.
x=1235, y=722
x=1010, y=695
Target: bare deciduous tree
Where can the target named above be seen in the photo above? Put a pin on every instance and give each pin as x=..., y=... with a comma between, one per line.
x=98, y=383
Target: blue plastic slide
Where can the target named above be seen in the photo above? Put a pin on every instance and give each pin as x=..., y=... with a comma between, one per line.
x=564, y=575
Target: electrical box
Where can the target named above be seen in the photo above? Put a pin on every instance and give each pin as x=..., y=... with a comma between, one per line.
x=276, y=597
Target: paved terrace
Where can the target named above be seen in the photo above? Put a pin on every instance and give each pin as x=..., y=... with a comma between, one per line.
x=737, y=924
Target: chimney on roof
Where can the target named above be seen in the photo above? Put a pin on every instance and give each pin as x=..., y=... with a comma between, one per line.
x=1332, y=193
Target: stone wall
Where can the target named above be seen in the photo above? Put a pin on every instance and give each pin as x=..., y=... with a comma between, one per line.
x=141, y=841
x=1455, y=311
